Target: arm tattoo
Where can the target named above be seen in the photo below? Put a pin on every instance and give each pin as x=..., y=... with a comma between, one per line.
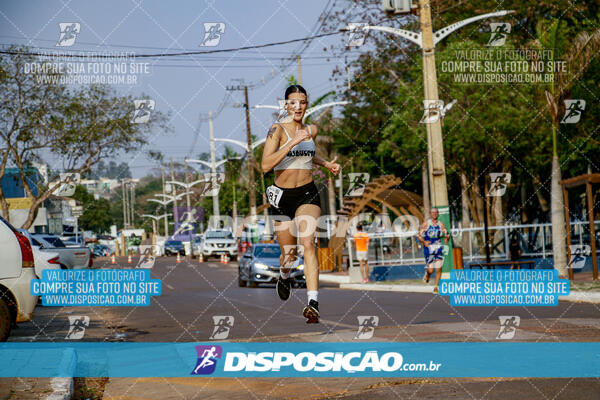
x=271, y=132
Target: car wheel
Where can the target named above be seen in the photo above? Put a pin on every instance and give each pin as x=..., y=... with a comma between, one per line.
x=5, y=321
x=253, y=284
x=234, y=258
x=63, y=266
x=242, y=283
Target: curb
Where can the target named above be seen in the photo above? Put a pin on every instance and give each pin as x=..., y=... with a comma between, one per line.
x=388, y=288
x=584, y=297
x=63, y=386
x=341, y=279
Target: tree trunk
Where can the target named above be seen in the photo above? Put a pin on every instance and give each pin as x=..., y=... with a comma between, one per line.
x=466, y=220
x=331, y=195
x=558, y=221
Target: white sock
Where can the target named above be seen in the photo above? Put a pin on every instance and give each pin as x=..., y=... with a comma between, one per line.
x=312, y=295
x=284, y=275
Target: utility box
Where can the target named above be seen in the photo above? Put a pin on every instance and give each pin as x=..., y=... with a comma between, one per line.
x=397, y=6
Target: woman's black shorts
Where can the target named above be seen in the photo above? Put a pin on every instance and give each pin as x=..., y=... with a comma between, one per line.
x=292, y=198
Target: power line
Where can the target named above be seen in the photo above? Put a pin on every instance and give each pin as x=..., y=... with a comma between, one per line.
x=186, y=53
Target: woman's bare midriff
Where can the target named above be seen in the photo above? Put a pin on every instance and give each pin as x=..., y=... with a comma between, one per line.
x=293, y=178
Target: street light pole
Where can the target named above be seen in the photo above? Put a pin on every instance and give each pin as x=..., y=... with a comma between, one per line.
x=213, y=171
x=426, y=40
x=437, y=170
x=250, y=158
x=162, y=170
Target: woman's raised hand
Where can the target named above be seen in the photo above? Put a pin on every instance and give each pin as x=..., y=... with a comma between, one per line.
x=300, y=135
x=333, y=167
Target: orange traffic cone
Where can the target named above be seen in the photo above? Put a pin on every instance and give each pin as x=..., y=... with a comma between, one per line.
x=178, y=259
x=113, y=259
x=200, y=258
x=129, y=260
x=226, y=259
x=221, y=260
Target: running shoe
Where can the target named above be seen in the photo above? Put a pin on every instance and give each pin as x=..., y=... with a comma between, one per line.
x=435, y=290
x=426, y=277
x=311, y=312
x=284, y=288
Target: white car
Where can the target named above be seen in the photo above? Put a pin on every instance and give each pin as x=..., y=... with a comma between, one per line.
x=219, y=241
x=16, y=272
x=43, y=259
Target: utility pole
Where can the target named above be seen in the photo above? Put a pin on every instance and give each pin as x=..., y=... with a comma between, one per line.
x=174, y=194
x=250, y=149
x=426, y=40
x=132, y=203
x=124, y=200
x=213, y=171
x=299, y=69
x=162, y=170
x=250, y=158
x=437, y=171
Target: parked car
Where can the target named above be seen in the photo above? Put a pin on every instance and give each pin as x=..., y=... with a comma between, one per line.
x=69, y=257
x=260, y=264
x=43, y=259
x=172, y=247
x=100, y=250
x=16, y=272
x=219, y=241
x=197, y=245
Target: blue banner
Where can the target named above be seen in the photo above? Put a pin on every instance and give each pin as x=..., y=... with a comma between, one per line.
x=504, y=287
x=300, y=359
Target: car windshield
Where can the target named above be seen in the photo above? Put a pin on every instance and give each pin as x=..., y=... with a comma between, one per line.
x=54, y=241
x=267, y=252
x=219, y=235
x=174, y=243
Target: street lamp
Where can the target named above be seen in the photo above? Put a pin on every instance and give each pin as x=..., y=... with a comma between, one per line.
x=166, y=200
x=213, y=165
x=155, y=220
x=426, y=40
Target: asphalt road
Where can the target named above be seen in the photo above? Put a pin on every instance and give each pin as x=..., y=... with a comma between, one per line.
x=192, y=293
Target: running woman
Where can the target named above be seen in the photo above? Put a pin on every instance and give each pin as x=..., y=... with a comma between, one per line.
x=290, y=151
x=430, y=235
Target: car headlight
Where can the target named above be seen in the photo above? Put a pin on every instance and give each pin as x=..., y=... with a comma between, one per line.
x=300, y=267
x=260, y=266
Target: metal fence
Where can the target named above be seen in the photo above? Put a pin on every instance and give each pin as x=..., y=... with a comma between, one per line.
x=535, y=241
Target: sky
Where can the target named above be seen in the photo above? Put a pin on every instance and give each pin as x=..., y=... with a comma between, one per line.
x=188, y=87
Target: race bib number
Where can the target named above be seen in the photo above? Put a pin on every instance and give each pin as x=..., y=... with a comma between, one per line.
x=274, y=195
x=434, y=247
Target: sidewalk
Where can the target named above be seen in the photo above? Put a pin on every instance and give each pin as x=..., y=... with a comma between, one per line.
x=343, y=280
x=530, y=330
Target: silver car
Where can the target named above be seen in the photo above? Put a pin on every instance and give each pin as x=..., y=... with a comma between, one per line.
x=260, y=264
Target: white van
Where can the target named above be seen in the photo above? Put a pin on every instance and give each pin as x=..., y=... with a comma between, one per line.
x=17, y=269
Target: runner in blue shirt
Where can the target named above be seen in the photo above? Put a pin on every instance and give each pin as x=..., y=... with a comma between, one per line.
x=430, y=235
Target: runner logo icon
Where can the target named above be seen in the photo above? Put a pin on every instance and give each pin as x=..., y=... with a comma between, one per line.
x=508, y=326
x=77, y=325
x=499, y=32
x=143, y=109
x=212, y=33
x=366, y=326
x=223, y=324
x=207, y=359
x=573, y=110
x=68, y=33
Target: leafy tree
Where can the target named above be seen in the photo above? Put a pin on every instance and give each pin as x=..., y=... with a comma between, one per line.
x=96, y=212
x=78, y=125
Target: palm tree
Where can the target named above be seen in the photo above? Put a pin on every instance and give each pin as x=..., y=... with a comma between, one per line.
x=578, y=56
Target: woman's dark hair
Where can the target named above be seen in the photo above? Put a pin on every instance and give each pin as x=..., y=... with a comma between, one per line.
x=295, y=89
